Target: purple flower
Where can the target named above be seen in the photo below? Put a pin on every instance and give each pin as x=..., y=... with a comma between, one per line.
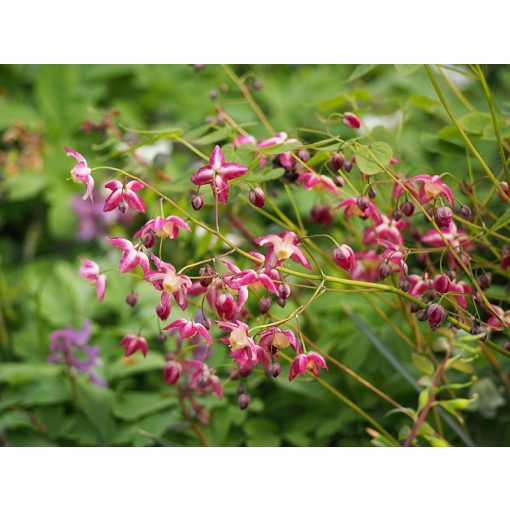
x=70, y=346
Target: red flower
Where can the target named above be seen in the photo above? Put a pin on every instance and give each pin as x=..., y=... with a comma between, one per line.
x=124, y=193
x=133, y=343
x=217, y=173
x=306, y=362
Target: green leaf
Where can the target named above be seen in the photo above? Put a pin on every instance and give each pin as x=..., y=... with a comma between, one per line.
x=423, y=398
x=262, y=432
x=134, y=405
x=214, y=137
x=24, y=186
x=475, y=122
x=273, y=174
x=360, y=71
x=124, y=367
x=16, y=373
x=407, y=69
x=372, y=159
x=423, y=364
x=503, y=220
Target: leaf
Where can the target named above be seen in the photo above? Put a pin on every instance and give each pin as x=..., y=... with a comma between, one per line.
x=317, y=158
x=261, y=432
x=423, y=364
x=135, y=365
x=423, y=398
x=24, y=186
x=273, y=174
x=134, y=405
x=407, y=69
x=372, y=159
x=16, y=373
x=215, y=136
x=475, y=122
x=360, y=71
x=503, y=220
x=424, y=103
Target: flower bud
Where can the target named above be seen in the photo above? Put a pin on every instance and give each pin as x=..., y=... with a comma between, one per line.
x=506, y=190
x=413, y=307
x=421, y=315
x=148, y=239
x=256, y=197
x=371, y=193
x=197, y=202
x=207, y=323
x=396, y=215
x=348, y=165
x=443, y=216
x=321, y=215
x=132, y=298
x=258, y=84
x=337, y=161
x=478, y=330
x=172, y=371
x=122, y=207
x=506, y=346
x=441, y=283
x=384, y=270
x=161, y=337
x=245, y=371
x=338, y=181
x=163, y=311
x=283, y=290
x=274, y=369
x=351, y=121
x=225, y=305
x=465, y=212
x=407, y=208
x=213, y=94
x=405, y=284
x=393, y=160
x=344, y=257
x=484, y=281
x=265, y=304
x=303, y=155
x=435, y=315
x=206, y=275
x=281, y=302
x=243, y=401
x=362, y=203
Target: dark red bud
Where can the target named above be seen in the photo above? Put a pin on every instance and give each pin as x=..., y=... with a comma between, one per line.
x=321, y=215
x=265, y=304
x=162, y=311
x=283, y=290
x=148, y=239
x=257, y=197
x=371, y=193
x=363, y=203
x=132, y=298
x=123, y=207
x=338, y=181
x=352, y=121
x=206, y=275
x=161, y=337
x=396, y=215
x=421, y=315
x=197, y=202
x=337, y=161
x=484, y=281
x=303, y=155
x=348, y=165
x=436, y=314
x=465, y=212
x=405, y=284
x=243, y=401
x=384, y=270
x=441, y=283
x=407, y=208
x=443, y=216
x=281, y=302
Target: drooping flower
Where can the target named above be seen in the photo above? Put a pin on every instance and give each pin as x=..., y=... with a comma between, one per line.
x=70, y=346
x=90, y=271
x=172, y=371
x=352, y=208
x=435, y=315
x=189, y=329
x=306, y=362
x=217, y=173
x=285, y=159
x=167, y=279
x=133, y=343
x=124, y=194
x=312, y=180
x=278, y=339
x=350, y=120
x=243, y=140
x=242, y=347
x=81, y=172
x=164, y=227
x=131, y=257
x=202, y=379
x=344, y=256
x=451, y=236
x=499, y=320
x=249, y=277
x=282, y=246
x=430, y=187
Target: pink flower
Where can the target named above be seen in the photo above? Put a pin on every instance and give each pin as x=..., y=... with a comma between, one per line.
x=131, y=257
x=238, y=340
x=123, y=193
x=172, y=371
x=189, y=329
x=457, y=239
x=502, y=316
x=435, y=315
x=249, y=277
x=419, y=284
x=202, y=379
x=164, y=227
x=344, y=257
x=460, y=290
x=312, y=180
x=217, y=173
x=431, y=187
x=166, y=279
x=278, y=339
x=282, y=246
x=286, y=159
x=243, y=140
x=133, y=343
x=90, y=271
x=352, y=121
x=81, y=172
x=306, y=362
x=352, y=209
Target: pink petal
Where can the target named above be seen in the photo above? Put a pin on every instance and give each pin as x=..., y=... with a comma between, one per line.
x=134, y=200
x=232, y=170
x=203, y=176
x=113, y=200
x=120, y=242
x=113, y=185
x=216, y=160
x=100, y=286
x=76, y=155
x=134, y=185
